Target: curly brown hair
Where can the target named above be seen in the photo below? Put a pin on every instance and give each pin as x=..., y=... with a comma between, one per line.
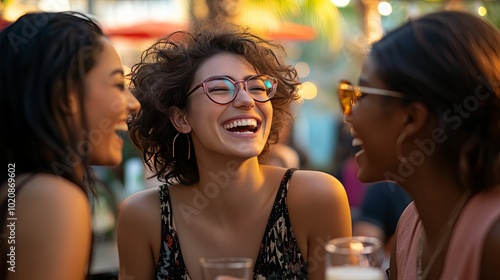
x=163, y=77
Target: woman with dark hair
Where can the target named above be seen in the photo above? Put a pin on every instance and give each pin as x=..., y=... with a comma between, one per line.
x=63, y=100
x=427, y=115
x=212, y=103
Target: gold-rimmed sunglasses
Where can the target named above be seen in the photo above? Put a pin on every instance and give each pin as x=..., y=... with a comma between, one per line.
x=349, y=94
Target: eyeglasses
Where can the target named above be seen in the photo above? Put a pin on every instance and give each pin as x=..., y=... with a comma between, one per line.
x=223, y=90
x=349, y=94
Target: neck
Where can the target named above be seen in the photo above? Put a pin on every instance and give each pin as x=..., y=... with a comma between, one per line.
x=230, y=183
x=435, y=192
x=441, y=239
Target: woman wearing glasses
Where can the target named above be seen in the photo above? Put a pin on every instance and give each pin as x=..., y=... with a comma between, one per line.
x=212, y=103
x=427, y=115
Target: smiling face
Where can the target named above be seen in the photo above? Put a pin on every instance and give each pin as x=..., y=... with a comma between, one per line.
x=375, y=123
x=240, y=128
x=108, y=102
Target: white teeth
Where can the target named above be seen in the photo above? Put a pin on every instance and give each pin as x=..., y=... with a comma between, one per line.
x=121, y=127
x=243, y=132
x=356, y=142
x=241, y=122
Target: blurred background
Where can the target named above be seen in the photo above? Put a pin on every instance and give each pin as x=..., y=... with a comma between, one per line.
x=325, y=40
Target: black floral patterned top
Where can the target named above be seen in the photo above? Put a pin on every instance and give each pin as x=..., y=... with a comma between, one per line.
x=279, y=255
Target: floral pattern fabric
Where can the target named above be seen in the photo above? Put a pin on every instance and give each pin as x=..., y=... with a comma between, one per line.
x=279, y=255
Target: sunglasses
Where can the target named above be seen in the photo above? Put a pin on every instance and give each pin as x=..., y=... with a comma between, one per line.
x=349, y=94
x=223, y=90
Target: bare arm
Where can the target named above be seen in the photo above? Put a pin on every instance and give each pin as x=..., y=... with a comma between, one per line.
x=490, y=268
x=318, y=205
x=52, y=230
x=133, y=237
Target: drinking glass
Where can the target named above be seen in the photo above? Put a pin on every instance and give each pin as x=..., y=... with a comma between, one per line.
x=226, y=268
x=354, y=258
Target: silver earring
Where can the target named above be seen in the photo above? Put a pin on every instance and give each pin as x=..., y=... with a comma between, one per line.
x=189, y=145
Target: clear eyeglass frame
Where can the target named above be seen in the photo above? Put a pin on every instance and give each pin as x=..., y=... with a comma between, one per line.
x=219, y=90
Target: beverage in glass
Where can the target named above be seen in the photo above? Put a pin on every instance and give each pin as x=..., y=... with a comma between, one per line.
x=227, y=268
x=354, y=258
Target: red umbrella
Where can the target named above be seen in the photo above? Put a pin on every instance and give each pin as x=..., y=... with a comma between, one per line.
x=144, y=30
x=154, y=30
x=4, y=23
x=291, y=31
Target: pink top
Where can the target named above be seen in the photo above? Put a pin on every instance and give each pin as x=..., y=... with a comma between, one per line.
x=463, y=258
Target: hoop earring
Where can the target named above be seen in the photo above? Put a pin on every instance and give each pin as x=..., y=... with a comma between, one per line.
x=399, y=143
x=189, y=145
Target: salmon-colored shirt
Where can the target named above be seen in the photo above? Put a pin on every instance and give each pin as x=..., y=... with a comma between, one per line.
x=463, y=258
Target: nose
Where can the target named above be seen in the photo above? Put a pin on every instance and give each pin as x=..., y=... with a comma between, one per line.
x=133, y=104
x=243, y=97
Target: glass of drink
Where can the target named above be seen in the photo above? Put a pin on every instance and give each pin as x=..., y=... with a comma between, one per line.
x=226, y=268
x=354, y=258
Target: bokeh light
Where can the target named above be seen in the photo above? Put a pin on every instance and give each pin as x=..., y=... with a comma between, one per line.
x=482, y=11
x=340, y=3
x=308, y=90
x=384, y=8
x=303, y=69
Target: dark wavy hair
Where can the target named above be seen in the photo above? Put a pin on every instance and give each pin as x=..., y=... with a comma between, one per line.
x=165, y=74
x=450, y=60
x=45, y=57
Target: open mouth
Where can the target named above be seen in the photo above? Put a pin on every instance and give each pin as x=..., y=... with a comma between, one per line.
x=357, y=144
x=122, y=130
x=242, y=126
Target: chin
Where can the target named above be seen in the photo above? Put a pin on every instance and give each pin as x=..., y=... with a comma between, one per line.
x=111, y=160
x=366, y=177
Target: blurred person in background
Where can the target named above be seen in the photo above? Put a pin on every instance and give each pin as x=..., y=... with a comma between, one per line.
x=426, y=114
x=212, y=103
x=346, y=169
x=63, y=100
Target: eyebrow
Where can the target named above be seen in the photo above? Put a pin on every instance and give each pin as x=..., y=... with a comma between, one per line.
x=117, y=71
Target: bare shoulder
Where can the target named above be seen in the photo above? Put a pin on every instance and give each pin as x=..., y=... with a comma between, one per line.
x=139, y=234
x=52, y=213
x=318, y=200
x=140, y=216
x=141, y=206
x=319, y=211
x=52, y=194
x=490, y=268
x=315, y=186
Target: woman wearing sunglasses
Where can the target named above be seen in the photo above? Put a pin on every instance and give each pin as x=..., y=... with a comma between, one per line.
x=426, y=114
x=212, y=103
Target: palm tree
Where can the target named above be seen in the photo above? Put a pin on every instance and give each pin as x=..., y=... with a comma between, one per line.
x=262, y=16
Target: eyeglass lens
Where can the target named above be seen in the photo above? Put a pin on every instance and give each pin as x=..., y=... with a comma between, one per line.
x=347, y=97
x=224, y=90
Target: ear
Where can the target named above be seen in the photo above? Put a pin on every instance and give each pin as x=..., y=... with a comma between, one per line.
x=418, y=119
x=73, y=102
x=178, y=120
